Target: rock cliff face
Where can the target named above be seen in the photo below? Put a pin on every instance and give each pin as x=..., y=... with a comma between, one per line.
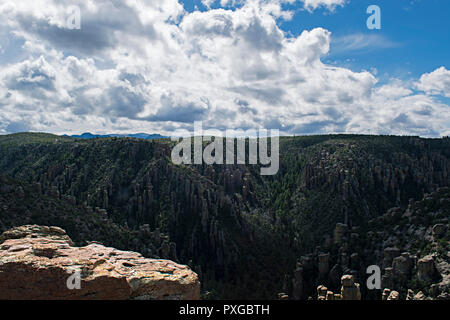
x=349, y=290
x=39, y=262
x=410, y=246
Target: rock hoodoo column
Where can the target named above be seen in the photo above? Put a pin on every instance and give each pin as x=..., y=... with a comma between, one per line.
x=36, y=263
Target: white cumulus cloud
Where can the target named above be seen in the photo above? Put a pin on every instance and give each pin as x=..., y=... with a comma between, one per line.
x=329, y=4
x=151, y=66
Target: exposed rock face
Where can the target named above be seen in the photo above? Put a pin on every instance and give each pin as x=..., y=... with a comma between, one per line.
x=438, y=289
x=410, y=295
x=283, y=296
x=330, y=295
x=426, y=268
x=350, y=290
x=386, y=294
x=420, y=296
x=387, y=280
x=324, y=264
x=340, y=232
x=389, y=255
x=394, y=295
x=439, y=229
x=402, y=265
x=335, y=275
x=41, y=263
x=322, y=292
x=52, y=233
x=410, y=246
x=298, y=283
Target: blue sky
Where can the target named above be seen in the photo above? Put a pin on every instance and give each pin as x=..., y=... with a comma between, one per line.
x=299, y=66
x=414, y=38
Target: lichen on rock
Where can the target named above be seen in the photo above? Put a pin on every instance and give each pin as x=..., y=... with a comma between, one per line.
x=36, y=262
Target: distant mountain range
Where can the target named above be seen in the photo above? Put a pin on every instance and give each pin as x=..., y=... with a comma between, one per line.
x=145, y=136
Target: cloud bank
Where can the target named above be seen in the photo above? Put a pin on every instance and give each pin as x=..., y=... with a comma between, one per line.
x=151, y=66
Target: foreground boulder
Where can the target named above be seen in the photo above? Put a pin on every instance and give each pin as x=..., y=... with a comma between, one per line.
x=41, y=263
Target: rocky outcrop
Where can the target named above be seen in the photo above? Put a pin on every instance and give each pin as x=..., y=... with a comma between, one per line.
x=394, y=295
x=387, y=280
x=32, y=232
x=426, y=268
x=403, y=264
x=350, y=290
x=297, y=282
x=340, y=232
x=389, y=255
x=386, y=294
x=41, y=263
x=322, y=292
x=440, y=290
x=389, y=294
x=219, y=216
x=439, y=230
x=410, y=246
x=324, y=264
x=419, y=296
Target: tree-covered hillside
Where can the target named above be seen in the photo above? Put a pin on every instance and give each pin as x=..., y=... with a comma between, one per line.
x=242, y=232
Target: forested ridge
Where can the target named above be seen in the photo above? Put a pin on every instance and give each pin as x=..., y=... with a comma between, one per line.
x=241, y=232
